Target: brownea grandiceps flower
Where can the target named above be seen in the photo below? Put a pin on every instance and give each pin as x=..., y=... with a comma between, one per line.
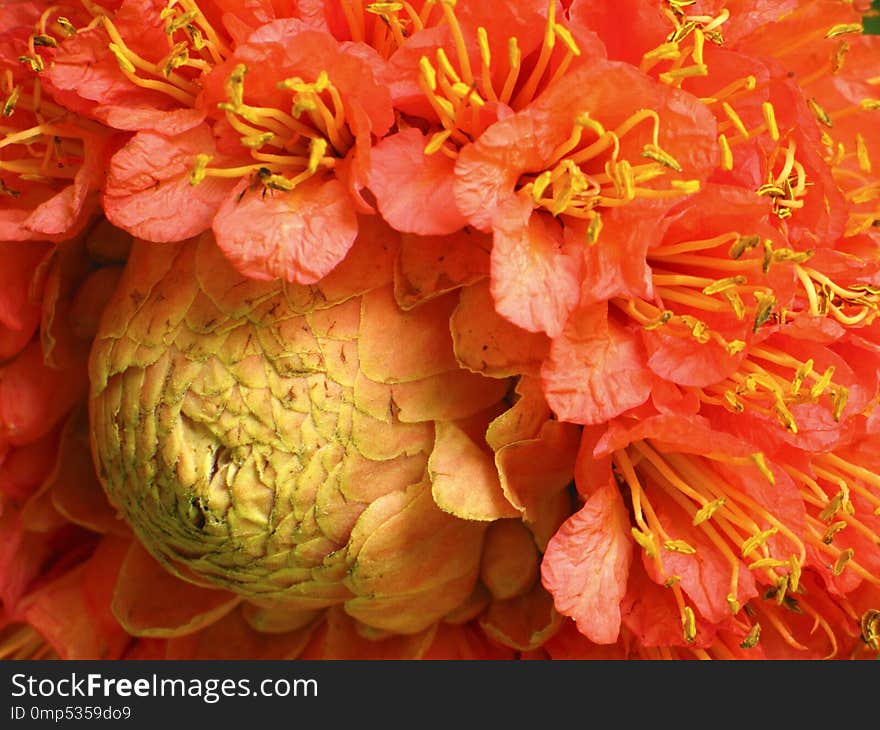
x=440, y=328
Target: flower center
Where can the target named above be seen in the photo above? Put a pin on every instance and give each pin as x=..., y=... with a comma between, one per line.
x=39, y=148
x=577, y=181
x=194, y=47
x=288, y=148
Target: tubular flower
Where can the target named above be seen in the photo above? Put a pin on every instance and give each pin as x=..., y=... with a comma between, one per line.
x=286, y=147
x=458, y=68
x=51, y=160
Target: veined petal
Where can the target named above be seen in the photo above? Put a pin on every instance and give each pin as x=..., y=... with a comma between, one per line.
x=535, y=274
x=414, y=190
x=148, y=185
x=596, y=369
x=587, y=563
x=299, y=236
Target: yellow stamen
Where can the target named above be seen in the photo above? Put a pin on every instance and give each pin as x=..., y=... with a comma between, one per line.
x=842, y=559
x=726, y=153
x=751, y=639
x=820, y=113
x=770, y=120
x=689, y=624
x=842, y=28
x=679, y=546
x=756, y=541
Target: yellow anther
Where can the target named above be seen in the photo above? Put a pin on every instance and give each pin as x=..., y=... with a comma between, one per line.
x=724, y=284
x=303, y=103
x=437, y=141
x=689, y=624
x=467, y=93
x=278, y=182
x=46, y=41
x=734, y=347
x=706, y=511
x=735, y=119
x=255, y=141
x=679, y=546
x=794, y=573
x=542, y=182
x=121, y=58
x=757, y=540
x=862, y=153
x=180, y=21
x=770, y=120
x=870, y=104
x=35, y=62
x=784, y=415
x=664, y=317
x=820, y=113
x=384, y=8
x=845, y=501
x=317, y=150
x=698, y=69
x=653, y=152
x=772, y=190
x=567, y=38
x=733, y=604
x=870, y=628
x=768, y=563
x=832, y=508
x=514, y=55
x=483, y=42
x=764, y=310
x=752, y=638
x=822, y=383
x=733, y=402
x=743, y=244
x=672, y=580
x=686, y=187
x=235, y=86
x=843, y=28
x=842, y=559
x=839, y=398
x=11, y=101
x=699, y=329
x=790, y=255
x=645, y=541
x=200, y=165
x=178, y=57
x=800, y=374
x=429, y=74
x=739, y=309
x=837, y=58
x=68, y=27
x=594, y=228
x=832, y=530
x=726, y=153
x=781, y=588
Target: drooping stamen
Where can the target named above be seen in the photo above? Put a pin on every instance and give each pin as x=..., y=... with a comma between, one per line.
x=281, y=143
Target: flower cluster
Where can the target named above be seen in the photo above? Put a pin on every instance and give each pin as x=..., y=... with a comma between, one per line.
x=442, y=328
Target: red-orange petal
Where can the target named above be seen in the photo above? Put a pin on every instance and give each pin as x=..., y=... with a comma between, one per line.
x=587, y=563
x=298, y=236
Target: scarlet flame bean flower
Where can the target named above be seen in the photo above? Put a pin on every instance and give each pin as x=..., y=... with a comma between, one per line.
x=439, y=329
